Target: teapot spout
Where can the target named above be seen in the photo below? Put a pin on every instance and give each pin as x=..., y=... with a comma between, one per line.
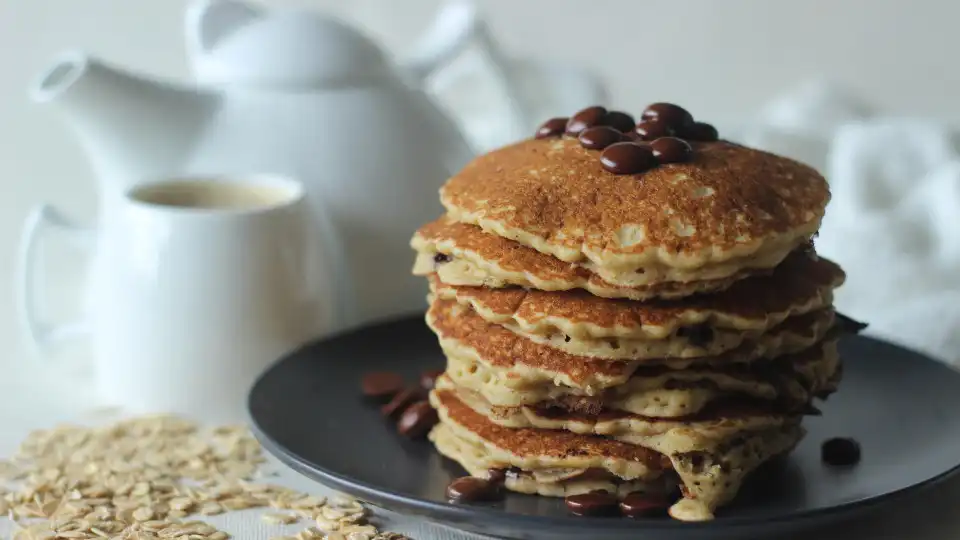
x=130, y=126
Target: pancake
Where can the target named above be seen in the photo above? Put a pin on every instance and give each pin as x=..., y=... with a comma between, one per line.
x=802, y=283
x=465, y=255
x=459, y=327
x=704, y=431
x=709, y=478
x=730, y=207
x=791, y=382
x=546, y=449
x=550, y=482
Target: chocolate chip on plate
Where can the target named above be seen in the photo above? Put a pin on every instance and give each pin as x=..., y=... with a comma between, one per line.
x=400, y=402
x=428, y=379
x=417, y=420
x=639, y=504
x=651, y=129
x=553, y=127
x=668, y=113
x=619, y=121
x=381, y=384
x=671, y=150
x=473, y=489
x=840, y=452
x=595, y=503
x=441, y=258
x=497, y=476
x=599, y=137
x=627, y=158
x=700, y=131
x=589, y=117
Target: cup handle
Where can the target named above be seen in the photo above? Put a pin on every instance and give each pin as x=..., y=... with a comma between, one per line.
x=42, y=335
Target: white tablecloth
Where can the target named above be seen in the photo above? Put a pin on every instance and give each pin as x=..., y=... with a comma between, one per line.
x=39, y=396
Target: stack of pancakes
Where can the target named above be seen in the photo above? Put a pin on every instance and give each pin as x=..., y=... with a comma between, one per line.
x=628, y=333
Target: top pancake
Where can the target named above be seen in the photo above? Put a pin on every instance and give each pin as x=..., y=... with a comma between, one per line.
x=727, y=205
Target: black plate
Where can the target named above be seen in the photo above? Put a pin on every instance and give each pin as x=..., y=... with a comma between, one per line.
x=900, y=406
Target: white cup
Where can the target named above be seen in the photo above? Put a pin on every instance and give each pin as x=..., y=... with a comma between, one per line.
x=198, y=285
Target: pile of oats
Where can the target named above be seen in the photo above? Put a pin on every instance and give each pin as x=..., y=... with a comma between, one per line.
x=142, y=478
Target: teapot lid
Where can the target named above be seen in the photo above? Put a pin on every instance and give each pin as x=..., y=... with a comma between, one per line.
x=233, y=43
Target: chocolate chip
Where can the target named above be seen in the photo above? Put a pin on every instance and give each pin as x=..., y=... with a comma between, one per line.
x=632, y=136
x=514, y=472
x=441, y=258
x=671, y=150
x=417, y=420
x=639, y=504
x=400, y=402
x=849, y=325
x=650, y=130
x=668, y=113
x=473, y=489
x=619, y=121
x=381, y=384
x=595, y=503
x=700, y=131
x=428, y=379
x=599, y=137
x=551, y=128
x=589, y=117
x=627, y=158
x=698, y=335
x=497, y=476
x=840, y=452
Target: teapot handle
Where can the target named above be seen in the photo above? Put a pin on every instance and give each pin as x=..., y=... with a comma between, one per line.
x=455, y=27
x=452, y=30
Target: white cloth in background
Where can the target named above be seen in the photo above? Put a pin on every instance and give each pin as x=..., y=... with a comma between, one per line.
x=894, y=220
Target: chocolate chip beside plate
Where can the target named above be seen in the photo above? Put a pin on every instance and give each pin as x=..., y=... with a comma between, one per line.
x=671, y=150
x=428, y=379
x=381, y=384
x=650, y=130
x=400, y=402
x=589, y=117
x=670, y=114
x=417, y=420
x=473, y=489
x=627, y=158
x=639, y=504
x=700, y=131
x=840, y=452
x=595, y=503
x=553, y=127
x=619, y=121
x=599, y=137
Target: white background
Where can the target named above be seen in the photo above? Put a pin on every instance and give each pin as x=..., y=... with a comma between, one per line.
x=721, y=59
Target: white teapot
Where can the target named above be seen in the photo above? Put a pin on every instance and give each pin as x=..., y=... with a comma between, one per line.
x=289, y=92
